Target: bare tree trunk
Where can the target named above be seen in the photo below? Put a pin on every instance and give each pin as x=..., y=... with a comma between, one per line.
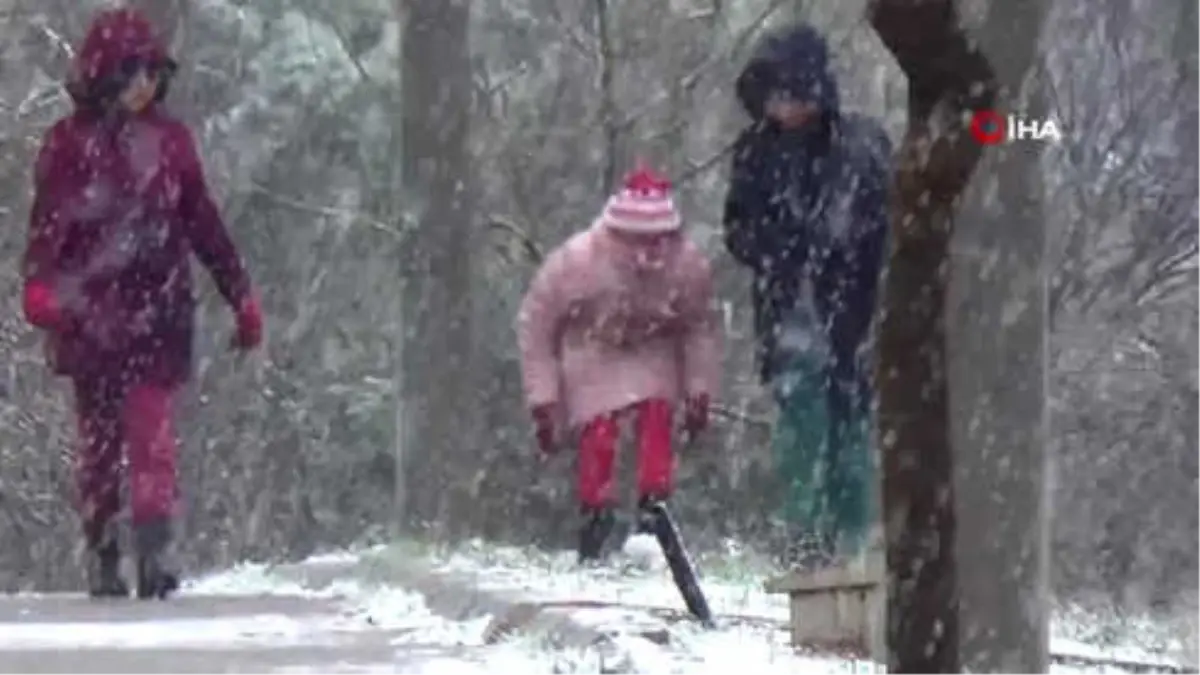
x=947, y=78
x=608, y=94
x=997, y=369
x=437, y=356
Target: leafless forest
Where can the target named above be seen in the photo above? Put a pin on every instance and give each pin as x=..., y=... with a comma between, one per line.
x=393, y=180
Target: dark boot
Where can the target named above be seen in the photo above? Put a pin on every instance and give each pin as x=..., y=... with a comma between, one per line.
x=647, y=516
x=156, y=577
x=104, y=572
x=597, y=526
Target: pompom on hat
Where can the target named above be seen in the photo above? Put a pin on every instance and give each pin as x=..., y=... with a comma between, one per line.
x=643, y=206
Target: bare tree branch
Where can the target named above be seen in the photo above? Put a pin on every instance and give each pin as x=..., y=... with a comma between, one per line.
x=326, y=211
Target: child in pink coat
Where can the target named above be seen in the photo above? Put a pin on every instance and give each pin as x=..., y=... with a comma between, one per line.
x=619, y=322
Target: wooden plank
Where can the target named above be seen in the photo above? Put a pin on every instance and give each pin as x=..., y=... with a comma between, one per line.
x=834, y=578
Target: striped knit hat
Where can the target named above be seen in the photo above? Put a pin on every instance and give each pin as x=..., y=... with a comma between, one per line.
x=643, y=206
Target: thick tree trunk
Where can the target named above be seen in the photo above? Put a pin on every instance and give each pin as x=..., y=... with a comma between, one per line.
x=947, y=78
x=997, y=370
x=437, y=351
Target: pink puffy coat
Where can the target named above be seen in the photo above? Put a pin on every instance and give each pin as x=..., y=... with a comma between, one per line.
x=600, y=331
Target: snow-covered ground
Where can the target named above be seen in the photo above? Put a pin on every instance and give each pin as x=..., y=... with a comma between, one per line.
x=371, y=605
x=347, y=627
x=734, y=589
x=398, y=632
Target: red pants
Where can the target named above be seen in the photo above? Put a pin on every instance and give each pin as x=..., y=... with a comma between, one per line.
x=598, y=449
x=118, y=421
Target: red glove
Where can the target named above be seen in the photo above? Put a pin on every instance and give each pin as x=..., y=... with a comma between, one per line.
x=41, y=306
x=249, y=325
x=695, y=417
x=543, y=423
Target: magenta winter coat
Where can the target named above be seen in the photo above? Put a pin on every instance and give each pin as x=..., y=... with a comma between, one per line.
x=120, y=204
x=597, y=334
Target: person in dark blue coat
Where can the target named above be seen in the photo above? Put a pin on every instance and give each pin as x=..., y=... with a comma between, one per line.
x=806, y=213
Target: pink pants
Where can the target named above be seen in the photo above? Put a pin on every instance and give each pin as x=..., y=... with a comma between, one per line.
x=598, y=450
x=131, y=422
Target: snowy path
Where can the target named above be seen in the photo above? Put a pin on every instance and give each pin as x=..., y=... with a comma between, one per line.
x=244, y=620
x=196, y=634
x=205, y=633
x=252, y=619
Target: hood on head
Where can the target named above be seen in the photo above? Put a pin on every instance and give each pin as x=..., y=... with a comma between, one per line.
x=795, y=59
x=117, y=41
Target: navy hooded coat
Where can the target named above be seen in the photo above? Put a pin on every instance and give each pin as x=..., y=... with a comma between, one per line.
x=808, y=203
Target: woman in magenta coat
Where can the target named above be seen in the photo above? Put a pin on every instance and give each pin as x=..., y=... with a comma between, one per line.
x=120, y=204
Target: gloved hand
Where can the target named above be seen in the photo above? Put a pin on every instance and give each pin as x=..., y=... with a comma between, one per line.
x=543, y=423
x=249, y=325
x=41, y=306
x=695, y=417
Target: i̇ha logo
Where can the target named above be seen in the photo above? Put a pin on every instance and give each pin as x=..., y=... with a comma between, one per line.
x=992, y=128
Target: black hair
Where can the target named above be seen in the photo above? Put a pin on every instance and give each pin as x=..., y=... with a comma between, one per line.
x=104, y=92
x=166, y=72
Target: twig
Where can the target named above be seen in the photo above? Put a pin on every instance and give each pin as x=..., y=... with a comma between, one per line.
x=692, y=78
x=37, y=98
x=570, y=29
x=344, y=43
x=738, y=416
x=59, y=41
x=1128, y=664
x=696, y=169
x=533, y=250
x=327, y=211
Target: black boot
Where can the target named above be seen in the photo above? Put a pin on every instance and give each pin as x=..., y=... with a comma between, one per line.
x=647, y=517
x=104, y=572
x=156, y=577
x=597, y=525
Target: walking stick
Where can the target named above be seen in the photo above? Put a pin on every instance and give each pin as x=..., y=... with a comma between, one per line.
x=683, y=572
